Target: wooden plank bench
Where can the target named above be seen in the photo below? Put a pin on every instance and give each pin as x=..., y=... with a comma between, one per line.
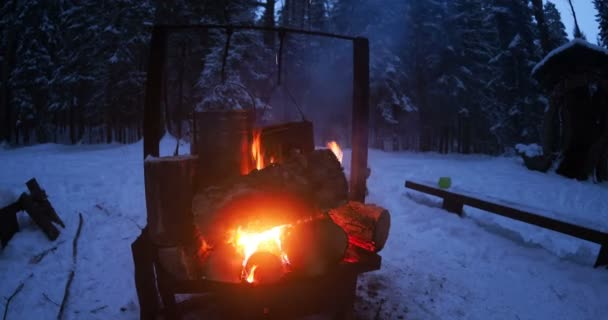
x=454, y=202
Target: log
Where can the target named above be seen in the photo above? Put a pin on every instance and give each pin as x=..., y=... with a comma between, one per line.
x=39, y=213
x=367, y=226
x=39, y=195
x=169, y=188
x=8, y=222
x=263, y=268
x=315, y=246
x=301, y=186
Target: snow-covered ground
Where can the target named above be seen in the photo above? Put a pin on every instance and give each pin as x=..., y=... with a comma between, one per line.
x=435, y=265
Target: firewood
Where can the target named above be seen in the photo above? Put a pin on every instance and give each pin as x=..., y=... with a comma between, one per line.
x=223, y=264
x=177, y=262
x=316, y=179
x=367, y=226
x=169, y=185
x=8, y=222
x=313, y=247
x=263, y=268
x=39, y=195
x=40, y=214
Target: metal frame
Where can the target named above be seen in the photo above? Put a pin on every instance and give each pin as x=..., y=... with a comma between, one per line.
x=360, y=109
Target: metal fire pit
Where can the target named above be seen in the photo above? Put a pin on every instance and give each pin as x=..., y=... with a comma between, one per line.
x=331, y=294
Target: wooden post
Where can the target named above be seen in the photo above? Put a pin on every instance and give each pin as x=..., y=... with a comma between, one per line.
x=152, y=125
x=358, y=168
x=602, y=257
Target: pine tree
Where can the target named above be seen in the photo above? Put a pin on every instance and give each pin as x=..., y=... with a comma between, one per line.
x=557, y=30
x=602, y=18
x=516, y=115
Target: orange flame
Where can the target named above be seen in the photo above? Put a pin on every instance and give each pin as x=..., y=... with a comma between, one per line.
x=247, y=243
x=251, y=276
x=256, y=149
x=335, y=148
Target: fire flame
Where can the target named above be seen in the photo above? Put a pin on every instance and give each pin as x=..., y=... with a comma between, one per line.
x=251, y=276
x=247, y=243
x=256, y=149
x=335, y=148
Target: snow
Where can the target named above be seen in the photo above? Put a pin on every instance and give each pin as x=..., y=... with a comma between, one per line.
x=515, y=42
x=530, y=150
x=435, y=265
x=572, y=43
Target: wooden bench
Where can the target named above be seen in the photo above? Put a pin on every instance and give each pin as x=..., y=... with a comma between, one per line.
x=454, y=202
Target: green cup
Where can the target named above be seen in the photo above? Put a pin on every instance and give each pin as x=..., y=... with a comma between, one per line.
x=445, y=182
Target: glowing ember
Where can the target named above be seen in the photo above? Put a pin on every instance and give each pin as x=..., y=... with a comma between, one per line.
x=256, y=149
x=335, y=148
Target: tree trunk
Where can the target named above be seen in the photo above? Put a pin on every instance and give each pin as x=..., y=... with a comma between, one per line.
x=539, y=14
x=268, y=20
x=367, y=226
x=169, y=188
x=7, y=116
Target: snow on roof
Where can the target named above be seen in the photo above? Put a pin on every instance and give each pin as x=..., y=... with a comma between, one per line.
x=565, y=47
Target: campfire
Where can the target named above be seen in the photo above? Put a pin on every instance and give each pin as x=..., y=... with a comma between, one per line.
x=286, y=220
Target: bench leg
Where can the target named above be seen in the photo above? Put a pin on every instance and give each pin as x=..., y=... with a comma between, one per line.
x=602, y=257
x=452, y=205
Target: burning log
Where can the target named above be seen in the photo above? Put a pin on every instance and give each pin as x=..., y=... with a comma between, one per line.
x=223, y=265
x=316, y=179
x=314, y=246
x=367, y=226
x=169, y=188
x=264, y=267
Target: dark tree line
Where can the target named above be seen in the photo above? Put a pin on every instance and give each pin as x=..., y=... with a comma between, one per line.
x=446, y=75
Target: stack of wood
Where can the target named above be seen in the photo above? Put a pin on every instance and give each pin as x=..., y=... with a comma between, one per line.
x=38, y=207
x=323, y=223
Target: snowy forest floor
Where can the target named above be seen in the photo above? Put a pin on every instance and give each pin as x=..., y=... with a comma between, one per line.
x=435, y=265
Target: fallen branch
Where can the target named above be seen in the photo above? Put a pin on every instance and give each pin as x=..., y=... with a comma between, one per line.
x=68, y=285
x=49, y=299
x=37, y=258
x=75, y=241
x=98, y=309
x=17, y=290
x=102, y=209
x=66, y=294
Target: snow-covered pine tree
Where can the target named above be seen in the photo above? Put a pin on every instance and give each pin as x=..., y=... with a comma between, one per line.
x=557, y=30
x=35, y=65
x=602, y=18
x=517, y=114
x=473, y=44
x=389, y=88
x=249, y=65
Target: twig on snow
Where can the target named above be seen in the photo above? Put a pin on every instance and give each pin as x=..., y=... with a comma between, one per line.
x=103, y=209
x=17, y=290
x=49, y=299
x=66, y=294
x=75, y=241
x=68, y=285
x=37, y=258
x=98, y=309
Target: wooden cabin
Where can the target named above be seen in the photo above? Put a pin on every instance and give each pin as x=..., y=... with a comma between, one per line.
x=575, y=128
